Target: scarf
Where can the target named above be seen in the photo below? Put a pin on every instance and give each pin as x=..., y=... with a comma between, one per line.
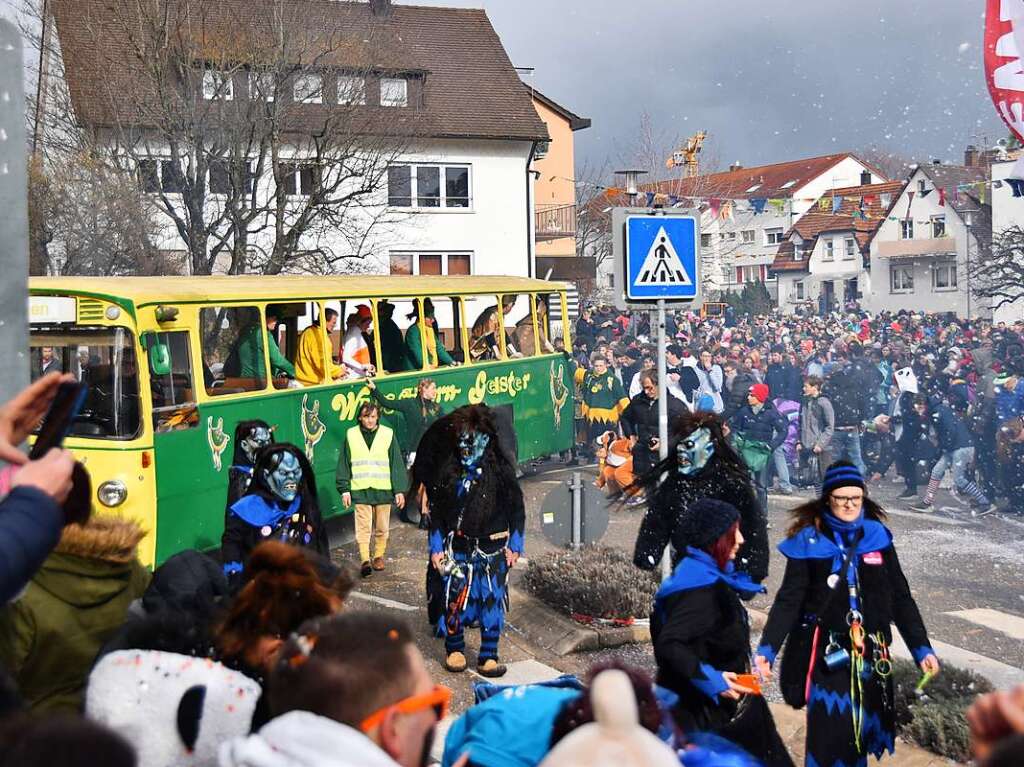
x=696, y=570
x=257, y=511
x=811, y=543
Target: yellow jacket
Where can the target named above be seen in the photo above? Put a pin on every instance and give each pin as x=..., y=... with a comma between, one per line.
x=309, y=358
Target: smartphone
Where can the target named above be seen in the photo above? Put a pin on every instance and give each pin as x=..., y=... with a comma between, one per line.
x=66, y=405
x=750, y=681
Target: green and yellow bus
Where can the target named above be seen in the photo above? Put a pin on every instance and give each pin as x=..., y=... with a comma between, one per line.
x=165, y=395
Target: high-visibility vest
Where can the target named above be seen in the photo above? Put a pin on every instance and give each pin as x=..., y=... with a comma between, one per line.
x=371, y=467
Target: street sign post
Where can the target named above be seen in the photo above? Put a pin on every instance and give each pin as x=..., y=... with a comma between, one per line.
x=657, y=260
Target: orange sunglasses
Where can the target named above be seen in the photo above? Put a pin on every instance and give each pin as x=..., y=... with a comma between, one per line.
x=438, y=699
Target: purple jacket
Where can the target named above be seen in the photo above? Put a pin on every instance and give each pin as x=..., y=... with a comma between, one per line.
x=791, y=410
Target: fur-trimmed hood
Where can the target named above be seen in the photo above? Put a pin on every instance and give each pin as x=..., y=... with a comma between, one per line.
x=93, y=563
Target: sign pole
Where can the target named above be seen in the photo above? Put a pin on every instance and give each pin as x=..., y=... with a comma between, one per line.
x=666, y=559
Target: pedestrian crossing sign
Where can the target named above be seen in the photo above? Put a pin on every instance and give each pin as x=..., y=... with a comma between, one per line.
x=661, y=258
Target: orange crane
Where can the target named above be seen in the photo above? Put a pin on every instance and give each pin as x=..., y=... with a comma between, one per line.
x=686, y=156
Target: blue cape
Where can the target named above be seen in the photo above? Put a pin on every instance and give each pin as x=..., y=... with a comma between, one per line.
x=257, y=511
x=696, y=570
x=811, y=543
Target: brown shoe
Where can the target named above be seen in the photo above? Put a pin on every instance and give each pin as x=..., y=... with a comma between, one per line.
x=455, y=662
x=378, y=563
x=491, y=668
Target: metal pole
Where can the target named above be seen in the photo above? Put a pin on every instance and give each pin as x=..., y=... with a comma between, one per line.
x=14, y=221
x=666, y=559
x=968, y=271
x=577, y=509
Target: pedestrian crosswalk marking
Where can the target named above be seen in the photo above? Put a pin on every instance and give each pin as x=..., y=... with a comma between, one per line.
x=662, y=266
x=1004, y=623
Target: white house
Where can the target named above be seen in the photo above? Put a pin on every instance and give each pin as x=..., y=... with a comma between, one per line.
x=458, y=199
x=824, y=261
x=921, y=254
x=748, y=211
x=1007, y=211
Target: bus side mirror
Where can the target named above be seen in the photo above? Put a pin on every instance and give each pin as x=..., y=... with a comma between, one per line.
x=158, y=353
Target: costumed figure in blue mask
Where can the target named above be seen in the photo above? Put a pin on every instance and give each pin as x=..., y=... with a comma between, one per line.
x=701, y=464
x=250, y=436
x=701, y=636
x=280, y=505
x=842, y=591
x=477, y=520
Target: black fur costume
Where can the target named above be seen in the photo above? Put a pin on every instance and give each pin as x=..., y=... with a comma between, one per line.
x=240, y=472
x=724, y=478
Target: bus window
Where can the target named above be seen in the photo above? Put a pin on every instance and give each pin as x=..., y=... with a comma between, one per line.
x=484, y=341
x=291, y=319
x=520, y=339
x=543, y=323
x=317, y=325
x=232, y=347
x=394, y=318
x=170, y=374
x=425, y=343
x=356, y=340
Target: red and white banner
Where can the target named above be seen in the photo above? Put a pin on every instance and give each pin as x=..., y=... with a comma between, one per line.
x=1004, y=71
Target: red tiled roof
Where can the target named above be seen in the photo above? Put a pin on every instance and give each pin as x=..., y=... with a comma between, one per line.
x=780, y=180
x=470, y=90
x=816, y=221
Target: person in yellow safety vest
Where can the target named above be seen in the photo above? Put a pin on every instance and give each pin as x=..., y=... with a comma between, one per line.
x=370, y=473
x=309, y=359
x=415, y=348
x=355, y=352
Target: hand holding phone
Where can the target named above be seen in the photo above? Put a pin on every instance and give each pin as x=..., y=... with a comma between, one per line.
x=66, y=405
x=22, y=414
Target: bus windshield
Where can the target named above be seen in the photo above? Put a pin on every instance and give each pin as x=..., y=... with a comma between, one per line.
x=104, y=359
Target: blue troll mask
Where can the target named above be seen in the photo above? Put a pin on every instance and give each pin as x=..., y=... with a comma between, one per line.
x=284, y=480
x=472, y=445
x=258, y=436
x=694, y=451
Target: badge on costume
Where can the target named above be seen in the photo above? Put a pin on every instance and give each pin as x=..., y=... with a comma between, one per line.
x=872, y=558
x=266, y=530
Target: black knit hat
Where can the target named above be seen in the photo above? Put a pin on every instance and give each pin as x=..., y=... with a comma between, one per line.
x=841, y=474
x=708, y=520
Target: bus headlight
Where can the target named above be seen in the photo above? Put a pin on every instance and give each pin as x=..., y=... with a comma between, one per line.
x=112, y=493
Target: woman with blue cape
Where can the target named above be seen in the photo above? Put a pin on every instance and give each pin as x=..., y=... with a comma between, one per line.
x=842, y=591
x=701, y=636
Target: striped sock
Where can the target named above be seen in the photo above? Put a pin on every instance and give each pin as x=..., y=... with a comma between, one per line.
x=971, y=489
x=455, y=642
x=933, y=488
x=489, y=645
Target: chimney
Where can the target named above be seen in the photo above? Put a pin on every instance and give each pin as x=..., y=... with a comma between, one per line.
x=971, y=156
x=865, y=178
x=381, y=8
x=736, y=166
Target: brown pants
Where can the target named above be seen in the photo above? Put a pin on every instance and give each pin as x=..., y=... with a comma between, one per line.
x=376, y=519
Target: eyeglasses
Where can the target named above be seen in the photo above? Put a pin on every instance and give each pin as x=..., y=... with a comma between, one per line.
x=847, y=500
x=438, y=699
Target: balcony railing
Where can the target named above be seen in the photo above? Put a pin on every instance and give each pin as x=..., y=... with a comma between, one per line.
x=932, y=246
x=552, y=222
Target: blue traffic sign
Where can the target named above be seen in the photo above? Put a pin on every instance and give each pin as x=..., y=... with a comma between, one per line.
x=661, y=258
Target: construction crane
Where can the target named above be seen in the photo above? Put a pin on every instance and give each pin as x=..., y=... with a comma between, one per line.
x=686, y=156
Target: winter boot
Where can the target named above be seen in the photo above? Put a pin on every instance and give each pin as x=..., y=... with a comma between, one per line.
x=491, y=668
x=455, y=662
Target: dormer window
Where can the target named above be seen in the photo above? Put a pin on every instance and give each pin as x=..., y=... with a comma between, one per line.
x=351, y=90
x=754, y=188
x=394, y=92
x=308, y=89
x=217, y=85
x=788, y=185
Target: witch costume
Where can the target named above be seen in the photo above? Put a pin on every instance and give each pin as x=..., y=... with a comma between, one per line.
x=477, y=513
x=280, y=504
x=842, y=590
x=250, y=436
x=701, y=464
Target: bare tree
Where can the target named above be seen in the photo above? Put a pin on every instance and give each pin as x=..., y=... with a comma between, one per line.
x=997, y=272
x=250, y=128
x=893, y=164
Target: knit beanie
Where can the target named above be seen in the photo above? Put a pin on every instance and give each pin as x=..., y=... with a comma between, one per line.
x=841, y=474
x=760, y=392
x=707, y=520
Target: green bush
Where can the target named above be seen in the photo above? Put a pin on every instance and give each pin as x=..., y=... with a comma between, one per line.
x=598, y=581
x=936, y=719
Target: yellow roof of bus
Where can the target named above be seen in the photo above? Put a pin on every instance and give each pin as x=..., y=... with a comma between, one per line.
x=144, y=291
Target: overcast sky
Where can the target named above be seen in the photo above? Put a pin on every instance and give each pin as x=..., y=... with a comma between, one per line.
x=769, y=81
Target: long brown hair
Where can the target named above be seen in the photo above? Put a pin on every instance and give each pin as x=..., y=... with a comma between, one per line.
x=813, y=513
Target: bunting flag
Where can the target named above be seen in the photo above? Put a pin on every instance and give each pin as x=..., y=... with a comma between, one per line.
x=757, y=204
x=942, y=197
x=870, y=199
x=650, y=199
x=673, y=200
x=823, y=205
x=716, y=206
x=837, y=203
x=727, y=211
x=981, y=192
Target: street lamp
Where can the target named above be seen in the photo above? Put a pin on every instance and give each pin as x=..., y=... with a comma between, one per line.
x=631, y=183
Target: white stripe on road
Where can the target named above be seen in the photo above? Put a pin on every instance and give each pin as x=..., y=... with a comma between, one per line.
x=525, y=672
x=1001, y=675
x=384, y=601
x=1005, y=623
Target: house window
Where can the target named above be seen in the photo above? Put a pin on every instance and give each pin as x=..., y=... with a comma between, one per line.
x=944, y=277
x=218, y=85
x=220, y=177
x=851, y=248
x=394, y=92
x=705, y=240
x=149, y=176
x=431, y=263
x=799, y=253
x=748, y=273
x=901, y=279
x=788, y=185
x=351, y=90
x=299, y=180
x=160, y=176
x=428, y=186
x=798, y=288
x=262, y=86
x=830, y=250
x=921, y=186
x=938, y=226
x=907, y=229
x=748, y=236
x=308, y=89
x=730, y=236
x=773, y=236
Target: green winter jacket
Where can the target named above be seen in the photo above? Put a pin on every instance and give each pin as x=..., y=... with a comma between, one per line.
x=50, y=635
